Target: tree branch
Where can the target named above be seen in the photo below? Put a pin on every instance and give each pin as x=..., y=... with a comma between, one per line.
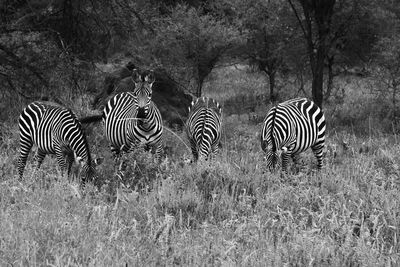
x=139, y=18
x=12, y=86
x=21, y=64
x=298, y=18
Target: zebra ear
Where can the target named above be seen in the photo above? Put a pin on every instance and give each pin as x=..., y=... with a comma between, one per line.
x=136, y=76
x=219, y=107
x=150, y=78
x=191, y=105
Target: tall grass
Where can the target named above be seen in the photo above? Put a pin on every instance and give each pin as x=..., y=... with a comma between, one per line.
x=231, y=211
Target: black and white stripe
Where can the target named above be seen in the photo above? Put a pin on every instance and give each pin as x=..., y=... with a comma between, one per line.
x=54, y=130
x=290, y=128
x=203, y=127
x=132, y=118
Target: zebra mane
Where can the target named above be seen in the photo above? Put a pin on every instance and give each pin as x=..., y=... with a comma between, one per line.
x=206, y=102
x=83, y=132
x=50, y=103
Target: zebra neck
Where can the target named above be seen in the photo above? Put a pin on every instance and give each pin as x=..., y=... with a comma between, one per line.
x=79, y=146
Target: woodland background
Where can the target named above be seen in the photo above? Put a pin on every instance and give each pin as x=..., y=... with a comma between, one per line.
x=59, y=48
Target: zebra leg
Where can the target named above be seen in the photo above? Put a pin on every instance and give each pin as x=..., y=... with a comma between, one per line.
x=158, y=150
x=130, y=147
x=69, y=160
x=61, y=160
x=121, y=165
x=285, y=160
x=26, y=146
x=193, y=147
x=318, y=151
x=214, y=150
x=39, y=157
x=116, y=154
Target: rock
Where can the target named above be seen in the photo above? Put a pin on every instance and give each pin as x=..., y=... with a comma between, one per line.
x=168, y=95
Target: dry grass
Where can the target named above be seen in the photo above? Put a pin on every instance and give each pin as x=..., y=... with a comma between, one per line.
x=228, y=212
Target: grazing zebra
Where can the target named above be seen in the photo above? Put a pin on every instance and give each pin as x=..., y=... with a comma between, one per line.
x=203, y=127
x=54, y=130
x=290, y=128
x=132, y=118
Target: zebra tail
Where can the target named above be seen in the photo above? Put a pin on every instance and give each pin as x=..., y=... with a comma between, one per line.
x=91, y=119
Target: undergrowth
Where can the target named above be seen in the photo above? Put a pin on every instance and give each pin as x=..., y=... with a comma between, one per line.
x=230, y=211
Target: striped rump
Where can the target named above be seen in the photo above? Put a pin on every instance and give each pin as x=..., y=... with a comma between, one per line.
x=290, y=128
x=203, y=127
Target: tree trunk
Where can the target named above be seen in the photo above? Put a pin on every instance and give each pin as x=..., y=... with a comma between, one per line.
x=320, y=12
x=323, y=11
x=199, y=87
x=271, y=78
x=318, y=77
x=394, y=84
x=329, y=85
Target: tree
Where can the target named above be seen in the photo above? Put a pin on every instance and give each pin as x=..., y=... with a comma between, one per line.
x=387, y=56
x=353, y=34
x=315, y=22
x=387, y=72
x=190, y=43
x=263, y=24
x=47, y=45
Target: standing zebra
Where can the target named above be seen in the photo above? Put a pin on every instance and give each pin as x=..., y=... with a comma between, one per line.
x=203, y=127
x=54, y=130
x=132, y=118
x=290, y=128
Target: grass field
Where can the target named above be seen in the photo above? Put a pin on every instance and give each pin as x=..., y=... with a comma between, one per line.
x=228, y=212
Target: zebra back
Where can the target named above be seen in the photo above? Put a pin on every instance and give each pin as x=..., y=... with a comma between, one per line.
x=203, y=127
x=205, y=102
x=55, y=130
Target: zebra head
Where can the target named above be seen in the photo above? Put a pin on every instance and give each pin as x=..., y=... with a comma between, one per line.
x=88, y=169
x=143, y=90
x=274, y=157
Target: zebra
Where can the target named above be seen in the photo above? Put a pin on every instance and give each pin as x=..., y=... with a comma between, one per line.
x=132, y=118
x=54, y=129
x=290, y=128
x=203, y=127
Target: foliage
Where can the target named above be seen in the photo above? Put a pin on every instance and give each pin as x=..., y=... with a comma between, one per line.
x=46, y=47
x=49, y=47
x=387, y=58
x=268, y=34
x=191, y=43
